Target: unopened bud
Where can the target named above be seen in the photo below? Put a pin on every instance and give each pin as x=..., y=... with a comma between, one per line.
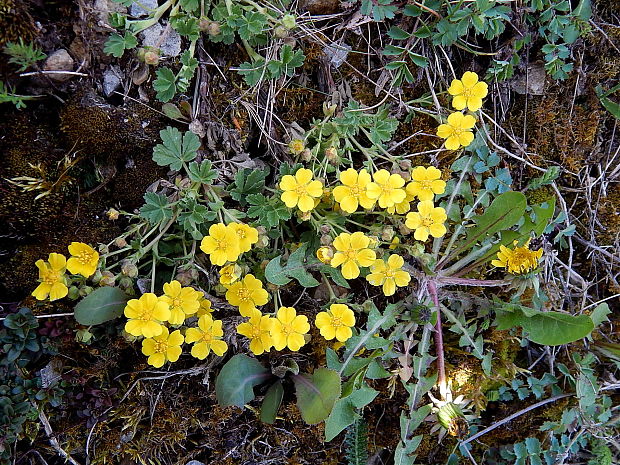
x=74, y=293
x=451, y=418
x=387, y=233
x=405, y=165
x=151, y=58
x=107, y=279
x=404, y=230
x=84, y=291
x=306, y=155
x=120, y=242
x=214, y=29
x=112, y=214
x=290, y=41
x=103, y=249
x=289, y=22
x=326, y=239
x=125, y=283
x=305, y=216
x=325, y=254
x=325, y=229
x=374, y=242
x=296, y=146
x=329, y=110
x=186, y=277
x=280, y=32
x=128, y=268
x=203, y=24
x=331, y=154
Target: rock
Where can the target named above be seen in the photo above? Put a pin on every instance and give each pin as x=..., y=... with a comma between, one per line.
x=103, y=9
x=194, y=462
x=60, y=60
x=137, y=11
x=112, y=78
x=171, y=46
x=533, y=83
x=337, y=54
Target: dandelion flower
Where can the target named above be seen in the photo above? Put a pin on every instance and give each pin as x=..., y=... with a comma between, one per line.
x=518, y=260
x=222, y=244
x=288, y=329
x=229, y=274
x=352, y=252
x=182, y=301
x=162, y=348
x=206, y=338
x=247, y=294
x=52, y=277
x=457, y=131
x=428, y=220
x=258, y=330
x=83, y=260
x=426, y=183
x=468, y=92
x=386, y=188
x=247, y=235
x=390, y=275
x=336, y=322
x=145, y=315
x=300, y=190
x=353, y=191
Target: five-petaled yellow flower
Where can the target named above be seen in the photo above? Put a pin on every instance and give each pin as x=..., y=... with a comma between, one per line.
x=518, y=260
x=386, y=188
x=181, y=301
x=145, y=316
x=390, y=275
x=402, y=207
x=229, y=274
x=83, y=260
x=336, y=322
x=52, y=277
x=353, y=191
x=247, y=294
x=428, y=220
x=258, y=330
x=468, y=92
x=206, y=338
x=457, y=131
x=162, y=348
x=247, y=235
x=222, y=244
x=352, y=252
x=426, y=183
x=300, y=190
x=288, y=329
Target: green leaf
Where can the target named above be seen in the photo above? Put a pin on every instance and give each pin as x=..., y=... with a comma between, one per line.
x=295, y=268
x=253, y=72
x=247, y=182
x=269, y=211
x=317, y=394
x=599, y=314
x=251, y=24
x=610, y=106
x=271, y=402
x=187, y=27
x=172, y=111
x=202, y=172
x=235, y=383
x=101, y=305
x=342, y=415
x=287, y=63
x=583, y=10
x=547, y=178
x=156, y=209
x=165, y=84
x=189, y=5
x=397, y=33
x=545, y=328
x=176, y=148
x=117, y=44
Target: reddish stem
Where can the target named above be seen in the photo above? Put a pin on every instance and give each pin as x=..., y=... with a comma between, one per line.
x=441, y=367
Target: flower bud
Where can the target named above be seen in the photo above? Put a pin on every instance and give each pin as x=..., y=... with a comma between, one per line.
x=96, y=278
x=331, y=154
x=329, y=110
x=214, y=29
x=296, y=146
x=305, y=216
x=280, y=32
x=74, y=293
x=290, y=41
x=326, y=239
x=107, y=279
x=404, y=230
x=325, y=229
x=387, y=233
x=204, y=24
x=112, y=214
x=120, y=242
x=140, y=54
x=306, y=155
x=374, y=242
x=187, y=277
x=405, y=165
x=129, y=268
x=151, y=58
x=451, y=418
x=103, y=249
x=84, y=291
x=83, y=335
x=126, y=283
x=325, y=254
x=289, y=22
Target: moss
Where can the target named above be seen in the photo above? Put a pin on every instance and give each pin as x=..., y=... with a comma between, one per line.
x=15, y=22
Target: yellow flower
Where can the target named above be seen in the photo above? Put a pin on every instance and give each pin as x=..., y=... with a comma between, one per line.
x=457, y=131
x=258, y=330
x=300, y=190
x=468, y=92
x=390, y=275
x=336, y=322
x=325, y=254
x=52, y=277
x=352, y=252
x=83, y=260
x=427, y=220
x=426, y=183
x=402, y=207
x=296, y=146
x=181, y=301
x=163, y=347
x=207, y=337
x=353, y=192
x=247, y=294
x=222, y=244
x=519, y=260
x=205, y=306
x=288, y=329
x=247, y=235
x=145, y=315
x=229, y=274
x=386, y=188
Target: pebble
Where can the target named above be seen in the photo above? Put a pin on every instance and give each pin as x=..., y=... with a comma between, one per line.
x=170, y=47
x=138, y=12
x=60, y=60
x=112, y=78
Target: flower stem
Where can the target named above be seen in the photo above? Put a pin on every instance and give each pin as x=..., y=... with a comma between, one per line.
x=441, y=366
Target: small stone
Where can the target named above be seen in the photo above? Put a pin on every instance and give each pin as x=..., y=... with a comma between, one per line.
x=112, y=78
x=171, y=46
x=533, y=83
x=103, y=9
x=194, y=462
x=137, y=11
x=60, y=60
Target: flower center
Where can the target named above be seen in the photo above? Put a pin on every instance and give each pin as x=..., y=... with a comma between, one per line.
x=457, y=131
x=389, y=273
x=287, y=329
x=427, y=221
x=50, y=278
x=244, y=294
x=426, y=184
x=351, y=254
x=176, y=302
x=256, y=332
x=222, y=245
x=386, y=189
x=355, y=190
x=337, y=322
x=161, y=346
x=207, y=337
x=301, y=189
x=85, y=257
x=467, y=92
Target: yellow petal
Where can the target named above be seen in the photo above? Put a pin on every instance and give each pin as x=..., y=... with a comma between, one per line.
x=455, y=119
x=200, y=350
x=468, y=122
x=456, y=87
x=421, y=234
x=480, y=90
x=57, y=261
x=58, y=291
x=173, y=353
x=303, y=176
x=315, y=188
x=366, y=257
x=466, y=138
x=288, y=183
x=359, y=240
x=395, y=261
x=157, y=360
x=350, y=270
x=459, y=102
x=328, y=332
x=437, y=230
x=389, y=287
x=343, y=333
x=306, y=203
x=474, y=103
x=452, y=143
x=175, y=338
x=41, y=292
x=290, y=198
x=349, y=177
x=469, y=79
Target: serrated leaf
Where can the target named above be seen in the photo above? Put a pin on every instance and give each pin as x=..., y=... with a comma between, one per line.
x=117, y=44
x=397, y=33
x=156, y=209
x=316, y=394
x=172, y=111
x=295, y=268
x=268, y=211
x=189, y=5
x=251, y=24
x=187, y=27
x=165, y=84
x=101, y=305
x=202, y=172
x=247, y=182
x=235, y=382
x=175, y=148
x=289, y=60
x=253, y=72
